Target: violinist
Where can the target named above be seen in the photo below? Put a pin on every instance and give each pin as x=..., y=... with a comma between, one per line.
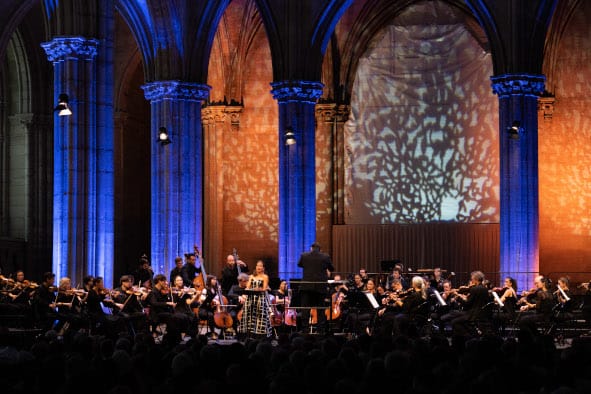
x=473, y=303
x=69, y=305
x=409, y=307
x=563, y=299
x=44, y=302
x=397, y=274
x=99, y=297
x=537, y=310
x=162, y=305
x=128, y=303
x=183, y=297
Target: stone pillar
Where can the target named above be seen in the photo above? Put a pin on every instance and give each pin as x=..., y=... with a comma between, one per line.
x=18, y=174
x=219, y=122
x=330, y=175
x=297, y=177
x=177, y=170
x=519, y=225
x=83, y=167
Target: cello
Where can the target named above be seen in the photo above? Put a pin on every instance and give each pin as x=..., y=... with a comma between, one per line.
x=334, y=312
x=221, y=316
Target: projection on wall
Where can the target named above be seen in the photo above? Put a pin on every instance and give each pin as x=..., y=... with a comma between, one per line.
x=421, y=142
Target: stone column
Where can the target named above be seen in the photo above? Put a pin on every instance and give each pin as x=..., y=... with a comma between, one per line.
x=330, y=175
x=219, y=122
x=519, y=226
x=177, y=170
x=297, y=172
x=83, y=165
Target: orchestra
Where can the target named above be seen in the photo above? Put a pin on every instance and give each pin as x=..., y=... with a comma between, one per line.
x=133, y=308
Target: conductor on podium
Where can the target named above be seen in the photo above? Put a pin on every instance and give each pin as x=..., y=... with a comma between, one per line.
x=317, y=267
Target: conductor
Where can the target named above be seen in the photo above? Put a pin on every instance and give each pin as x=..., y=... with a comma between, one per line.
x=317, y=267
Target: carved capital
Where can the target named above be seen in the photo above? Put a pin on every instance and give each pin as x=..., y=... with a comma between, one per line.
x=546, y=107
x=78, y=48
x=330, y=112
x=175, y=90
x=298, y=91
x=222, y=113
x=518, y=84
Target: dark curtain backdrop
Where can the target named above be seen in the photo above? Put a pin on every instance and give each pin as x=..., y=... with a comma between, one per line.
x=455, y=247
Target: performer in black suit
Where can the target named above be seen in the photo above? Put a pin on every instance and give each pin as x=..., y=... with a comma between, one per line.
x=317, y=267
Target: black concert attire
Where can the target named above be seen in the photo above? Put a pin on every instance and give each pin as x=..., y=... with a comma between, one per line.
x=230, y=277
x=206, y=310
x=70, y=310
x=189, y=272
x=563, y=309
x=17, y=301
x=542, y=312
x=143, y=275
x=474, y=309
x=176, y=271
x=190, y=323
x=45, y=315
x=233, y=299
x=132, y=313
x=315, y=265
x=161, y=312
x=99, y=321
x=397, y=319
x=508, y=312
x=360, y=313
x=436, y=284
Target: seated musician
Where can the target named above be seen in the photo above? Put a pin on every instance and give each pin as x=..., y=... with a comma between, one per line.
x=437, y=280
x=208, y=300
x=68, y=305
x=44, y=303
x=18, y=296
x=563, y=300
x=474, y=306
x=236, y=297
x=98, y=301
x=360, y=313
x=537, y=310
x=508, y=297
x=162, y=306
x=397, y=275
x=448, y=295
x=183, y=297
x=397, y=316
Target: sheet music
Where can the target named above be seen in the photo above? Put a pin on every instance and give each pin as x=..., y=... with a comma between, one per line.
x=497, y=299
x=439, y=298
x=372, y=300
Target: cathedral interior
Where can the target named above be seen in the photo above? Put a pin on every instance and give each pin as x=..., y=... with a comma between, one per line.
x=447, y=133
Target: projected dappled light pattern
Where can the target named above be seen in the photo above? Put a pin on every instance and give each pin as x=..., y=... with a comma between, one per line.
x=421, y=141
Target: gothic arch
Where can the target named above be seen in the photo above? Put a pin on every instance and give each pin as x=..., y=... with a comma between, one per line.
x=370, y=20
x=560, y=20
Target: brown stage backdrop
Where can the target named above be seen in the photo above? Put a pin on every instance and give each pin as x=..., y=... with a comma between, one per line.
x=457, y=247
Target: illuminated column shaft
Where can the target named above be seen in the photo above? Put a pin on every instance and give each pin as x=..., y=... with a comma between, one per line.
x=83, y=165
x=177, y=170
x=519, y=227
x=297, y=176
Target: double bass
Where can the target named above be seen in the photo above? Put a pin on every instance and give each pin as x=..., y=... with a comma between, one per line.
x=199, y=280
